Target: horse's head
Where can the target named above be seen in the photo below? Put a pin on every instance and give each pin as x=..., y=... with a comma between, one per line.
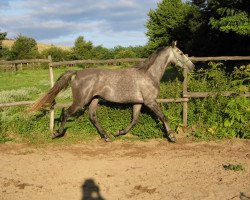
x=177, y=57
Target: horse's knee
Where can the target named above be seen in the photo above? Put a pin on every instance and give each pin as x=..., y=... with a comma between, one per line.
x=71, y=110
x=135, y=121
x=65, y=114
x=165, y=118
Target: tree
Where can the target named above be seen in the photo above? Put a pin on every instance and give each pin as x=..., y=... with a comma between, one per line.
x=82, y=49
x=57, y=54
x=230, y=16
x=139, y=51
x=5, y=53
x=2, y=37
x=123, y=52
x=100, y=52
x=225, y=27
x=202, y=27
x=164, y=21
x=24, y=48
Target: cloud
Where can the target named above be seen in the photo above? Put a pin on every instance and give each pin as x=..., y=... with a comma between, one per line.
x=4, y=4
x=50, y=20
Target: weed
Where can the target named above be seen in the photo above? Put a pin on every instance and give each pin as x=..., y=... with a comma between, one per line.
x=236, y=167
x=5, y=139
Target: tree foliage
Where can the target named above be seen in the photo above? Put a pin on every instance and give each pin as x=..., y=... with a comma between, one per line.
x=56, y=53
x=202, y=27
x=230, y=16
x=86, y=50
x=2, y=37
x=82, y=49
x=24, y=48
x=123, y=52
x=99, y=52
x=164, y=22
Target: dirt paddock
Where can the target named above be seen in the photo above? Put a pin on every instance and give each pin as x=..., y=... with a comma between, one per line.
x=125, y=170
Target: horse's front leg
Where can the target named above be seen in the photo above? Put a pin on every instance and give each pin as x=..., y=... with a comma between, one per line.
x=157, y=110
x=136, y=113
x=93, y=117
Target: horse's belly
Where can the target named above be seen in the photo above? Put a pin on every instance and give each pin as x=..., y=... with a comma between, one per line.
x=118, y=95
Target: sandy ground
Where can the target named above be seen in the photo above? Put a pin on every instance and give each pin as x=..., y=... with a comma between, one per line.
x=125, y=170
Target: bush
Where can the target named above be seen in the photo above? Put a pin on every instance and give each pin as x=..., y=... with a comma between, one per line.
x=220, y=117
x=113, y=117
x=24, y=48
x=56, y=53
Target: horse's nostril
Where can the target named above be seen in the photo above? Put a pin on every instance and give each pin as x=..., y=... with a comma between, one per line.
x=192, y=67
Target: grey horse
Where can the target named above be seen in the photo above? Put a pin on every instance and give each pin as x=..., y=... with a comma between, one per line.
x=136, y=85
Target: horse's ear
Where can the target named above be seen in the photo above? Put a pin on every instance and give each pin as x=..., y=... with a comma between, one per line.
x=174, y=44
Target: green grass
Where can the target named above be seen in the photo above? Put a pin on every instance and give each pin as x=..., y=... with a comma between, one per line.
x=29, y=85
x=236, y=167
x=38, y=78
x=35, y=82
x=5, y=139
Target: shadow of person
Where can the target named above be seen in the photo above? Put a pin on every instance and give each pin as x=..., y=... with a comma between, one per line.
x=244, y=197
x=91, y=191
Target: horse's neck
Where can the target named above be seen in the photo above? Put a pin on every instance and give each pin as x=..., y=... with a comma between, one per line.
x=156, y=71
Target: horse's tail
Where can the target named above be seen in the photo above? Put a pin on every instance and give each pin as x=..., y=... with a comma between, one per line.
x=61, y=83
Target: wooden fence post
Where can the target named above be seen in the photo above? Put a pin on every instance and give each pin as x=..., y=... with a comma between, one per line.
x=184, y=94
x=52, y=110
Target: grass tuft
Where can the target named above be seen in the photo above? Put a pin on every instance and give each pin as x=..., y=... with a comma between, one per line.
x=236, y=167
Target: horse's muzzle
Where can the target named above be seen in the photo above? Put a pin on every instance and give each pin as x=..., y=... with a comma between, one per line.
x=190, y=67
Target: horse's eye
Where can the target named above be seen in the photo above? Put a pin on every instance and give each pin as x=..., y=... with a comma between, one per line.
x=181, y=54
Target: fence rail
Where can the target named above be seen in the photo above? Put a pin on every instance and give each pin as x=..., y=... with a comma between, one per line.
x=112, y=61
x=219, y=58
x=26, y=103
x=18, y=64
x=186, y=95
x=214, y=94
x=9, y=62
x=109, y=61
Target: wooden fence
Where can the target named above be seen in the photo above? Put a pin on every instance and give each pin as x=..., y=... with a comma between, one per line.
x=185, y=94
x=15, y=65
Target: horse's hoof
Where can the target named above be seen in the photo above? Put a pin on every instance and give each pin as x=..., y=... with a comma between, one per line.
x=107, y=139
x=56, y=135
x=117, y=134
x=53, y=136
x=172, y=138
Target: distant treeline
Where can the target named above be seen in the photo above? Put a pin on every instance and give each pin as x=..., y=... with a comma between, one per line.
x=26, y=48
x=201, y=27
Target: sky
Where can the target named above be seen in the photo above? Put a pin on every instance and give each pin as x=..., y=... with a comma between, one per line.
x=104, y=22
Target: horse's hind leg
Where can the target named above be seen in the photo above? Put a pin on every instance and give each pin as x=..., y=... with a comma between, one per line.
x=136, y=113
x=157, y=110
x=93, y=117
x=65, y=115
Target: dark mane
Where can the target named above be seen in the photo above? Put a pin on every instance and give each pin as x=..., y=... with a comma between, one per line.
x=144, y=66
